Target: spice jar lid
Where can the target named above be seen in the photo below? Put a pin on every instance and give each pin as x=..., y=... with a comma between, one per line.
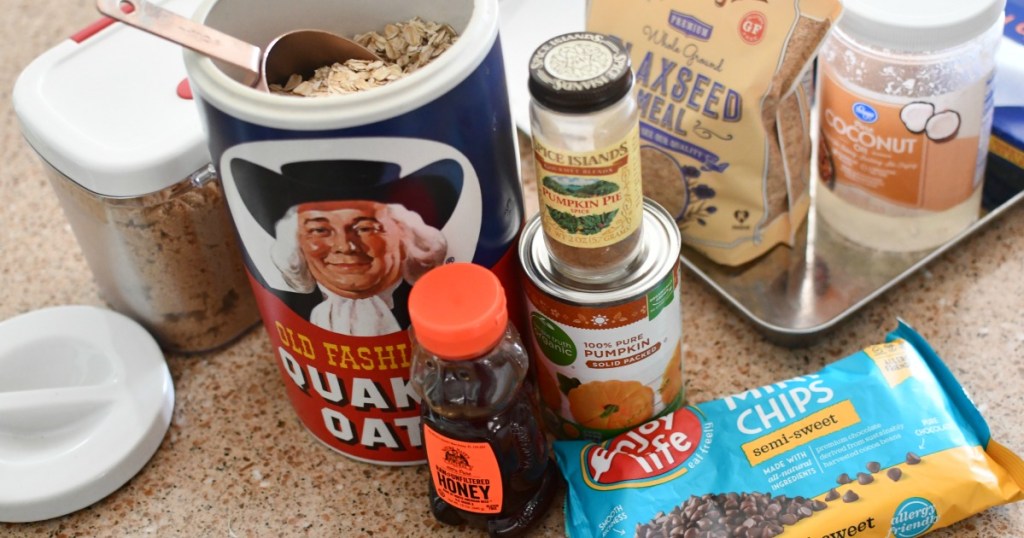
x=580, y=72
x=85, y=401
x=918, y=25
x=458, y=311
x=110, y=109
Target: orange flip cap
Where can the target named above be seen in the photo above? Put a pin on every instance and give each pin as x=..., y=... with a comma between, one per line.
x=458, y=311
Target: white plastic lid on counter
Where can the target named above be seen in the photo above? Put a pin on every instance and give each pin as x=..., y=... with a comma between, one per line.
x=85, y=401
x=110, y=109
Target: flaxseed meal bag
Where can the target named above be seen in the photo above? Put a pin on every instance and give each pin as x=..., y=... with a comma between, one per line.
x=884, y=443
x=724, y=116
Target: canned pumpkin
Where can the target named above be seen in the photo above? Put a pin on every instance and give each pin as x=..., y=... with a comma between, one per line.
x=606, y=357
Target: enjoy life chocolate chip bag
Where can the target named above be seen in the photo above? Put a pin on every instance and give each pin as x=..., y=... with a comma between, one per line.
x=724, y=92
x=882, y=443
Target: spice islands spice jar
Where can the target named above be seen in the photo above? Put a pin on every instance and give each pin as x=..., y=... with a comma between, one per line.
x=488, y=458
x=585, y=129
x=906, y=112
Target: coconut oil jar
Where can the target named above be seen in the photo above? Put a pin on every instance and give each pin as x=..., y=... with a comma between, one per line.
x=906, y=111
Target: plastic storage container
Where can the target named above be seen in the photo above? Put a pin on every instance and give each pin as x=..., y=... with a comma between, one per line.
x=110, y=114
x=489, y=463
x=906, y=112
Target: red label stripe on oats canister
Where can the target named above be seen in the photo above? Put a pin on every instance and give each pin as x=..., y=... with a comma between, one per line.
x=606, y=356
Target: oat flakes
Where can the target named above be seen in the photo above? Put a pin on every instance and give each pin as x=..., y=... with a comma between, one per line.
x=404, y=47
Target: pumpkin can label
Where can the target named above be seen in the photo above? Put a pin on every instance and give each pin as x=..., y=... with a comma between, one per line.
x=604, y=369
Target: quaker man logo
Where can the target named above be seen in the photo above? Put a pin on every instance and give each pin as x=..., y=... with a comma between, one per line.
x=355, y=234
x=457, y=458
x=340, y=229
x=741, y=215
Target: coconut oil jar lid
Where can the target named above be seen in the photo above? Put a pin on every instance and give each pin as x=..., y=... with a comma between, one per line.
x=110, y=109
x=918, y=25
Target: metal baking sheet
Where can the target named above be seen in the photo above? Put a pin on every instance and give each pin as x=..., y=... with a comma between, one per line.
x=796, y=295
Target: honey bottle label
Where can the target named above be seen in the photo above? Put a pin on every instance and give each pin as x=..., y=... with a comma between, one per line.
x=465, y=474
x=590, y=199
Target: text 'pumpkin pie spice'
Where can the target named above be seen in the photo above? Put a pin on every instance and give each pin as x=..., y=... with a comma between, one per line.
x=607, y=357
x=724, y=113
x=583, y=121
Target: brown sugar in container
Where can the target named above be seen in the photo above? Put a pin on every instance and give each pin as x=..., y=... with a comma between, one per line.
x=606, y=356
x=126, y=156
x=584, y=124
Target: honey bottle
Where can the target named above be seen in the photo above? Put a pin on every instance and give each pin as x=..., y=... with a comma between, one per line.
x=488, y=458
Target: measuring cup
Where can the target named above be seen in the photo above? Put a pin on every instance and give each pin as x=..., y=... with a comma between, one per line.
x=298, y=51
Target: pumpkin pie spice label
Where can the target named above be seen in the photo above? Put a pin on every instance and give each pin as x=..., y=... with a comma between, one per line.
x=590, y=199
x=604, y=369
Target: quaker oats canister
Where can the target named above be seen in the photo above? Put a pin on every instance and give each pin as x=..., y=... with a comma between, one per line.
x=608, y=356
x=342, y=202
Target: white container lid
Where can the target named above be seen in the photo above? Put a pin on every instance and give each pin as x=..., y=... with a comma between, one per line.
x=106, y=111
x=85, y=401
x=918, y=25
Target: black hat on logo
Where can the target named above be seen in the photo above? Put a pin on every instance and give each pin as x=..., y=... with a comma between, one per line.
x=431, y=191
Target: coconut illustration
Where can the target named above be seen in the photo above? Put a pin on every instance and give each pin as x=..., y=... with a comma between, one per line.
x=943, y=126
x=915, y=116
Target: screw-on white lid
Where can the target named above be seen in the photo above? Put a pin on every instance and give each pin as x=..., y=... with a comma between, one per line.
x=85, y=401
x=918, y=25
x=106, y=112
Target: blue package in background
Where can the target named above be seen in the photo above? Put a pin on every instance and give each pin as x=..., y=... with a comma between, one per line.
x=1004, y=173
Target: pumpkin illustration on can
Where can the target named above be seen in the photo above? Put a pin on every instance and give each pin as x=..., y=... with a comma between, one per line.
x=611, y=405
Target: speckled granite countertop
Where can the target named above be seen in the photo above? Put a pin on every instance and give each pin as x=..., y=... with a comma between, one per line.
x=236, y=461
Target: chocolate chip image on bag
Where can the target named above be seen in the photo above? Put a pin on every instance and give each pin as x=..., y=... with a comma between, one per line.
x=724, y=118
x=883, y=443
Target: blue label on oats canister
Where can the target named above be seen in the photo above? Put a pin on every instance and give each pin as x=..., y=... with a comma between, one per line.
x=343, y=202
